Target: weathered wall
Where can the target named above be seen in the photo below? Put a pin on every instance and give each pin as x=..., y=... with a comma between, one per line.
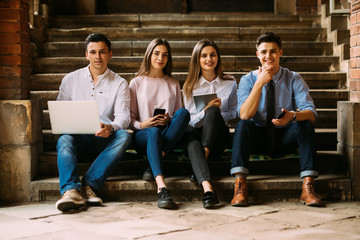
x=20, y=143
x=349, y=112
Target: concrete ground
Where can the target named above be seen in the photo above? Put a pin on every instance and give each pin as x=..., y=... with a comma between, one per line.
x=145, y=221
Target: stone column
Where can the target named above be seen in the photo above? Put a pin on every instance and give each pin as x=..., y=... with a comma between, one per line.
x=349, y=112
x=20, y=145
x=20, y=118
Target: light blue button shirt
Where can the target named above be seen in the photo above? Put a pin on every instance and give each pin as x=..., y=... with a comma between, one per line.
x=291, y=93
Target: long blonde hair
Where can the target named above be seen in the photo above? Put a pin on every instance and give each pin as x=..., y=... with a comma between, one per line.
x=146, y=63
x=195, y=69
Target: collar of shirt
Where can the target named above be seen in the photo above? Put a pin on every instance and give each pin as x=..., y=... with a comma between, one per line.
x=100, y=77
x=203, y=81
x=277, y=76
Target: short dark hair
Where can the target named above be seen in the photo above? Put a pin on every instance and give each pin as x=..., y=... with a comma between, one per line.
x=97, y=37
x=268, y=37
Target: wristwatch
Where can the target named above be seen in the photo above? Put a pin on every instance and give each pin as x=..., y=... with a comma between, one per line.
x=294, y=116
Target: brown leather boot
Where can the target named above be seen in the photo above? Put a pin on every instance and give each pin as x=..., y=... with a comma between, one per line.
x=308, y=195
x=240, y=198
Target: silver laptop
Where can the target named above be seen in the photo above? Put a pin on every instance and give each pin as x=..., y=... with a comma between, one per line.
x=203, y=99
x=74, y=117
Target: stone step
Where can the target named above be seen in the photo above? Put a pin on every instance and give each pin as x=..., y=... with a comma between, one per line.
x=316, y=80
x=328, y=98
x=326, y=139
x=323, y=98
x=187, y=33
x=137, y=48
x=177, y=163
x=329, y=187
x=181, y=63
x=184, y=20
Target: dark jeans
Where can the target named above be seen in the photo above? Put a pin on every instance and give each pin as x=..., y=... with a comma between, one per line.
x=153, y=140
x=250, y=138
x=214, y=134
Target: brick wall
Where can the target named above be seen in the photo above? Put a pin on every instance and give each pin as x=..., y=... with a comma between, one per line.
x=15, y=49
x=354, y=73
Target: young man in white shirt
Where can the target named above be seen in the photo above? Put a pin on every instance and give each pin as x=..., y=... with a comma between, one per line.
x=94, y=82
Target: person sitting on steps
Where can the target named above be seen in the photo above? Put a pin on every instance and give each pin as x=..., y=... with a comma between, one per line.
x=264, y=94
x=207, y=133
x=154, y=90
x=111, y=92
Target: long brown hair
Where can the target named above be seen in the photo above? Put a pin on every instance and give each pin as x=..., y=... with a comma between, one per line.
x=195, y=69
x=146, y=63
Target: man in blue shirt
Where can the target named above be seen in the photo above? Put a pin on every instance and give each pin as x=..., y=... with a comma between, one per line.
x=264, y=94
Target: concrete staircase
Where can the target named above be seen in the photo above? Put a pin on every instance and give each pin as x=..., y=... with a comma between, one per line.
x=306, y=51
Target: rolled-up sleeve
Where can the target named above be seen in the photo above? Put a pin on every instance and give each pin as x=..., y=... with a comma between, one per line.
x=196, y=118
x=244, y=91
x=122, y=107
x=302, y=97
x=230, y=112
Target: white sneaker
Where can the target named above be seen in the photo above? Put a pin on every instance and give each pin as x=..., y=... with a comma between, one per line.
x=70, y=200
x=91, y=198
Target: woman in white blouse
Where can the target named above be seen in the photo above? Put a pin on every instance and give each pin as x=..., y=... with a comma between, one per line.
x=207, y=132
x=157, y=133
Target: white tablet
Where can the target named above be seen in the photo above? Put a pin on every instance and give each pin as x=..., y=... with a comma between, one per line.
x=203, y=99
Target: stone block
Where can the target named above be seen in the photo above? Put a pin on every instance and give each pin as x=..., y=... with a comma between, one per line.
x=349, y=141
x=20, y=145
x=86, y=7
x=348, y=123
x=14, y=93
x=285, y=7
x=20, y=122
x=352, y=155
x=18, y=165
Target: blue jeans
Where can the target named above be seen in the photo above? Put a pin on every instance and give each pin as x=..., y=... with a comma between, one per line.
x=109, y=151
x=153, y=140
x=250, y=138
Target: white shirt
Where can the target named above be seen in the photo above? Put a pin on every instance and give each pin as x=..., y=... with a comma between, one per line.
x=225, y=90
x=149, y=93
x=111, y=93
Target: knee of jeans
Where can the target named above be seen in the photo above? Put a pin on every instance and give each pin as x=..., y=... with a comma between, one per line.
x=65, y=140
x=184, y=113
x=242, y=124
x=123, y=136
x=153, y=132
x=307, y=125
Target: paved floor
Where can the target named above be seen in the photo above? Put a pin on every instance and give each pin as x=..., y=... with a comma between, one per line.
x=117, y=220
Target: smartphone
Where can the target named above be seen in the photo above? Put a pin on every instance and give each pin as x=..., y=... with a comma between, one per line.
x=281, y=115
x=158, y=111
